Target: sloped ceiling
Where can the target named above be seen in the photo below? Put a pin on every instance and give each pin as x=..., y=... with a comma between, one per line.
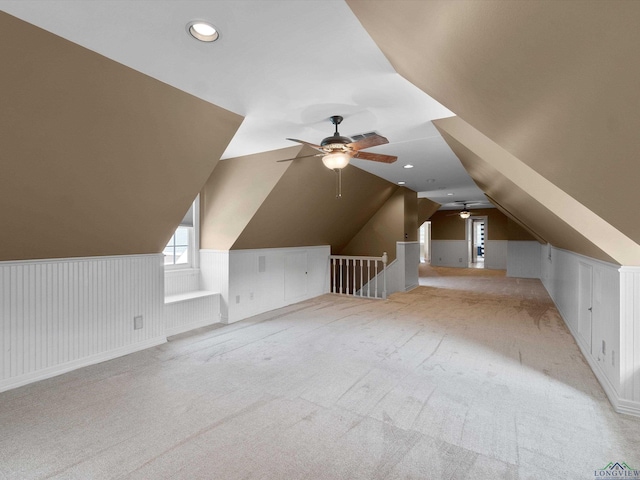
x=426, y=208
x=554, y=84
x=303, y=208
x=255, y=202
x=96, y=158
x=542, y=206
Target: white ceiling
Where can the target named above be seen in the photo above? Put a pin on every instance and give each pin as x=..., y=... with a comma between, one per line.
x=285, y=65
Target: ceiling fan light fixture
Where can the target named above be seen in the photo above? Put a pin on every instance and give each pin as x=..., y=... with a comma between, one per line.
x=465, y=214
x=203, y=31
x=337, y=160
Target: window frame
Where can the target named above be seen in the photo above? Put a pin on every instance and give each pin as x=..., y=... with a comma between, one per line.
x=193, y=247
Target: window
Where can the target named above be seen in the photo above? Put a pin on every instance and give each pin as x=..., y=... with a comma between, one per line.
x=177, y=250
x=182, y=249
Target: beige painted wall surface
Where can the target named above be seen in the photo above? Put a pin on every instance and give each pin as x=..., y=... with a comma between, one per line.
x=447, y=225
x=530, y=211
x=382, y=231
x=96, y=159
x=302, y=209
x=410, y=215
x=553, y=83
x=234, y=192
x=426, y=208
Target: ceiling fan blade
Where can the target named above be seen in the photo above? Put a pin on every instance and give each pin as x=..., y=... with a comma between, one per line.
x=367, y=140
x=317, y=147
x=375, y=157
x=297, y=158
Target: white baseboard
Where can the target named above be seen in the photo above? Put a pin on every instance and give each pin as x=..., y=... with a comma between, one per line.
x=628, y=407
x=191, y=326
x=15, y=382
x=620, y=405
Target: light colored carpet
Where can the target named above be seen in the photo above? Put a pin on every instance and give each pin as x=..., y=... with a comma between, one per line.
x=471, y=376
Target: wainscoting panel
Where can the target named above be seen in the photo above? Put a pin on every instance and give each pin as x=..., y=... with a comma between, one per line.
x=193, y=312
x=410, y=251
x=449, y=253
x=630, y=339
x=614, y=353
x=523, y=259
x=214, y=268
x=180, y=281
x=495, y=254
x=258, y=278
x=58, y=315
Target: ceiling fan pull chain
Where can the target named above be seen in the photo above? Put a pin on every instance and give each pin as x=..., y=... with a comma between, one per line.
x=338, y=182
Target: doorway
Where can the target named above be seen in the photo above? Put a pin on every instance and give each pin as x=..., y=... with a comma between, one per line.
x=476, y=234
x=424, y=236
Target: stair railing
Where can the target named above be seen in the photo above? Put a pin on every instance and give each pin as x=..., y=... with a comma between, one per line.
x=359, y=276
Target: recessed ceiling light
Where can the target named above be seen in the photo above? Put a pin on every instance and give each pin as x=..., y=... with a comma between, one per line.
x=401, y=183
x=203, y=31
x=431, y=180
x=408, y=165
x=450, y=194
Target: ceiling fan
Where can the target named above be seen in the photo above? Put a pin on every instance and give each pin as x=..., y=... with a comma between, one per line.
x=464, y=213
x=336, y=151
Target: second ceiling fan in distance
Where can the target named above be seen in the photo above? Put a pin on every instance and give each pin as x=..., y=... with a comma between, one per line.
x=464, y=213
x=336, y=151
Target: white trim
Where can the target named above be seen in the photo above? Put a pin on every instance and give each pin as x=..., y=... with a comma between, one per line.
x=608, y=388
x=15, y=382
x=590, y=259
x=182, y=297
x=628, y=269
x=628, y=407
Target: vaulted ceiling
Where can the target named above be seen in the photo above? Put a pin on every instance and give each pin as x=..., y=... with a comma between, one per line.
x=544, y=87
x=547, y=105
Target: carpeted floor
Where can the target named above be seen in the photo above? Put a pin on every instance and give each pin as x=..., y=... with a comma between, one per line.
x=472, y=375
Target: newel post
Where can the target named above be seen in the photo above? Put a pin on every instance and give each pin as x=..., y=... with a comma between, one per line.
x=385, y=258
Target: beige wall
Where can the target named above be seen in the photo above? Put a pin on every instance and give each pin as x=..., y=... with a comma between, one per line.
x=447, y=225
x=97, y=159
x=426, y=208
x=255, y=202
x=540, y=205
x=551, y=83
x=410, y=215
x=234, y=192
x=382, y=231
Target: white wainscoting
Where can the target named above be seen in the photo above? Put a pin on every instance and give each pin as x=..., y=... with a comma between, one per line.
x=629, y=340
x=256, y=281
x=401, y=274
x=184, y=312
x=214, y=269
x=612, y=343
x=523, y=259
x=409, y=252
x=62, y=314
x=449, y=253
x=181, y=281
x=495, y=254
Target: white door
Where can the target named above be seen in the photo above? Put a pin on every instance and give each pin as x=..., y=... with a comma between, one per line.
x=295, y=275
x=585, y=303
